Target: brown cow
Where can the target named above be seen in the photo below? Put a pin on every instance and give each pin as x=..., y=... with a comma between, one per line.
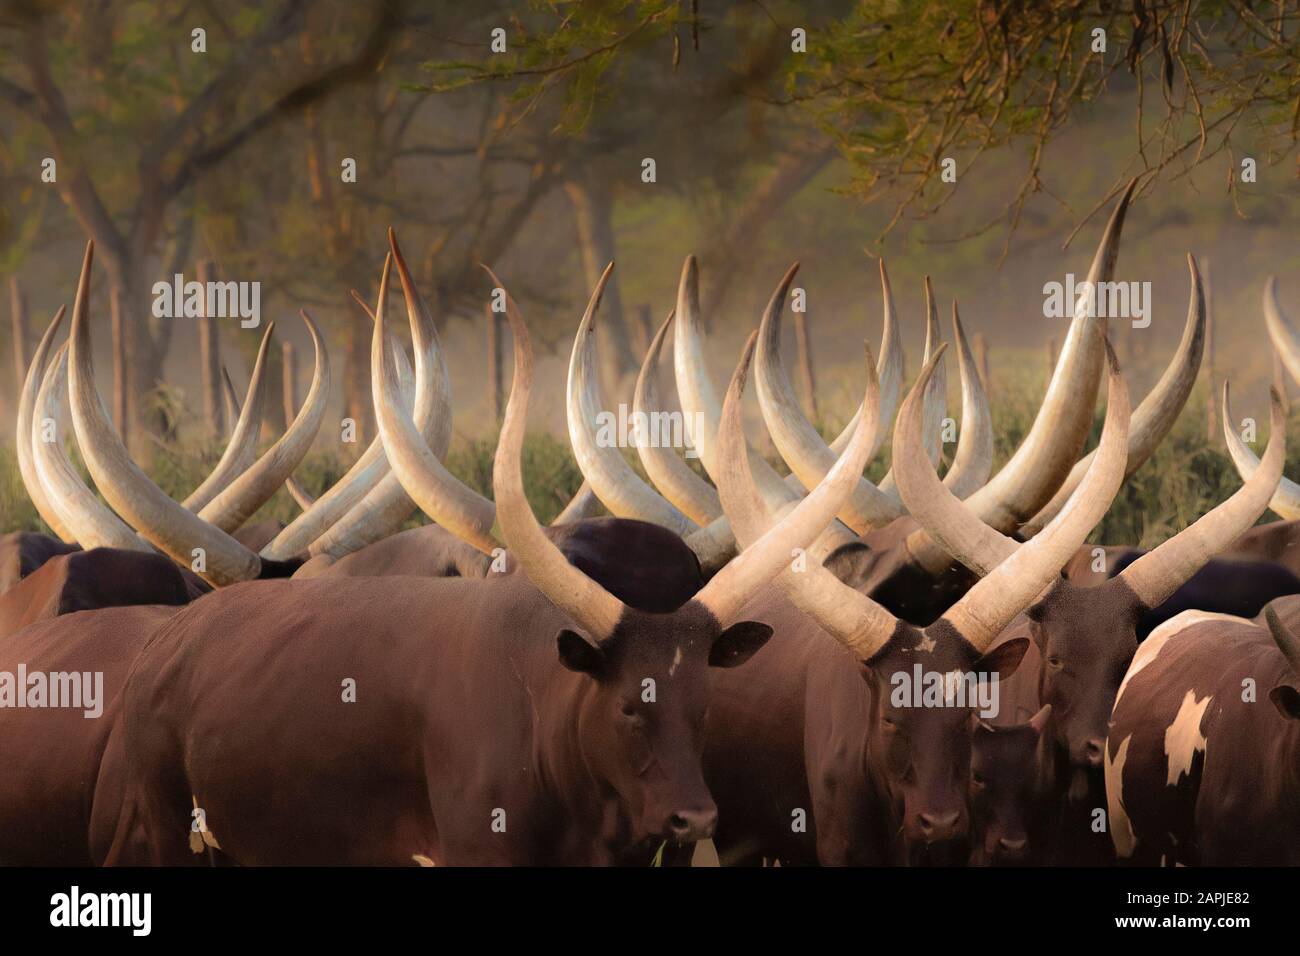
x=595, y=709
x=1006, y=805
x=1084, y=637
x=1201, y=764
x=62, y=785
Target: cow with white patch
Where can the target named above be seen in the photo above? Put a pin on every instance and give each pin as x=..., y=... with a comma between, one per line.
x=1203, y=760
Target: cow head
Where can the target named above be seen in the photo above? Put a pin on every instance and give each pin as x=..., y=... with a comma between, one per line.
x=1086, y=638
x=927, y=688
x=1004, y=786
x=641, y=718
x=639, y=707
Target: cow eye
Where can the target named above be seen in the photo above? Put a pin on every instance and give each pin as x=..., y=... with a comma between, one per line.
x=1054, y=662
x=629, y=710
x=977, y=779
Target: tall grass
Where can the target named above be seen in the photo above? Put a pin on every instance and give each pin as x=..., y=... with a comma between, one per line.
x=1185, y=477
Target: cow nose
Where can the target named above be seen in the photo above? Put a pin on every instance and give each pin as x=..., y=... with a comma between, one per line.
x=938, y=826
x=693, y=825
x=1012, y=846
x=1093, y=750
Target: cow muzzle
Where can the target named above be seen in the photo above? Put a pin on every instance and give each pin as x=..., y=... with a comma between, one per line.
x=691, y=824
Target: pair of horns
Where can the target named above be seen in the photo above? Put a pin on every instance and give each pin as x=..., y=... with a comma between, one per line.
x=1153, y=577
x=864, y=626
x=163, y=522
x=368, y=502
x=1045, y=458
x=589, y=604
x=809, y=457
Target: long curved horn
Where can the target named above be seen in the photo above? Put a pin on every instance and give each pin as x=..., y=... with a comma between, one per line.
x=387, y=505
x=936, y=394
x=241, y=449
x=956, y=528
x=673, y=477
x=1156, y=413
x=889, y=367
x=861, y=624
x=301, y=496
x=983, y=611
x=808, y=456
x=1285, y=338
x=237, y=503
x=973, y=460
x=438, y=493
x=618, y=487
x=696, y=394
x=1056, y=438
x=130, y=492
x=591, y=606
x=335, y=504
x=26, y=405
x=1285, y=502
x=95, y=526
x=700, y=405
x=1284, y=638
x=1163, y=570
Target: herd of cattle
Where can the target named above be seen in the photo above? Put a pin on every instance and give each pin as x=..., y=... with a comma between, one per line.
x=808, y=668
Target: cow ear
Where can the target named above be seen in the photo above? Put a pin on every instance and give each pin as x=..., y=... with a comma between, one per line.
x=738, y=643
x=1003, y=659
x=580, y=654
x=1287, y=700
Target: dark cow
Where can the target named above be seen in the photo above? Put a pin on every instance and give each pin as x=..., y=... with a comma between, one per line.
x=642, y=564
x=85, y=580
x=1201, y=764
x=22, y=552
x=595, y=709
x=1005, y=802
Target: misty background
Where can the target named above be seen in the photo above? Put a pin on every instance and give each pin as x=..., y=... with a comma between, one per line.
x=233, y=155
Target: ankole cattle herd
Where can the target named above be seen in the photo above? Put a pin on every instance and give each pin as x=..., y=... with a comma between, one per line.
x=753, y=667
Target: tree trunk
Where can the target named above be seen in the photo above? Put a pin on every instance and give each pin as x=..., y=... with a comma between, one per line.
x=807, y=383
x=356, y=371
x=645, y=329
x=495, y=404
x=593, y=207
x=210, y=362
x=120, y=407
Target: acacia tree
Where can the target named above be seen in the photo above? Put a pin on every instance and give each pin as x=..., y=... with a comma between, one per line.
x=135, y=107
